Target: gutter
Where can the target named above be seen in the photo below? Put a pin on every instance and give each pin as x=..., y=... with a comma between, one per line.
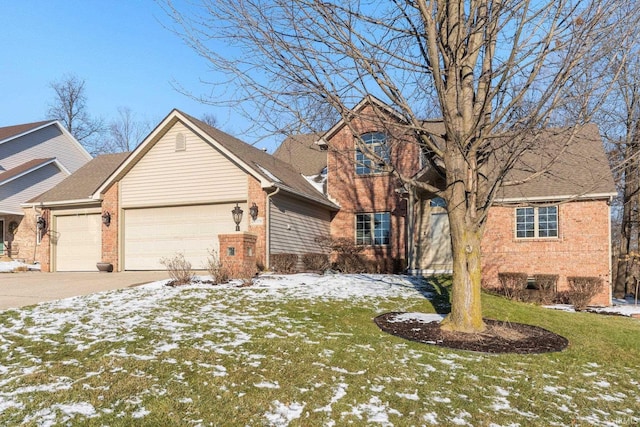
x=556, y=198
x=74, y=202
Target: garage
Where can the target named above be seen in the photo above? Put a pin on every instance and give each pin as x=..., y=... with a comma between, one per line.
x=153, y=233
x=78, y=242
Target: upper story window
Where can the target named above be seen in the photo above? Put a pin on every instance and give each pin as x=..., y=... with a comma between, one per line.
x=532, y=222
x=375, y=143
x=373, y=228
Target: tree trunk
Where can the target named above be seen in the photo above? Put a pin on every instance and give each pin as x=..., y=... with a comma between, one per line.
x=466, y=235
x=466, y=303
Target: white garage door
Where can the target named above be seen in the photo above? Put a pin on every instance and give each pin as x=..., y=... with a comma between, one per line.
x=78, y=242
x=153, y=233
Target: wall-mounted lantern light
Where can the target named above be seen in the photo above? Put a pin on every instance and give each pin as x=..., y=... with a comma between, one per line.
x=237, y=216
x=253, y=211
x=106, y=218
x=41, y=223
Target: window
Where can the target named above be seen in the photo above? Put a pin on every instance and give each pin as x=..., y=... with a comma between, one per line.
x=373, y=228
x=537, y=222
x=375, y=143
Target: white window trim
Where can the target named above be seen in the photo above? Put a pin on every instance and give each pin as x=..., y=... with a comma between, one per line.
x=361, y=145
x=373, y=230
x=536, y=222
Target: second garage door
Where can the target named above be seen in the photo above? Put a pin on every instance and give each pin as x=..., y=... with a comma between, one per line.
x=78, y=242
x=153, y=233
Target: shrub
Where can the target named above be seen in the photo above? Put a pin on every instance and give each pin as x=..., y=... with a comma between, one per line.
x=284, y=263
x=547, y=285
x=219, y=273
x=315, y=262
x=179, y=269
x=582, y=290
x=513, y=285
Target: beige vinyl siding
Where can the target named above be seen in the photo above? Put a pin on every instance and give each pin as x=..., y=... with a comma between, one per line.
x=28, y=186
x=198, y=174
x=48, y=142
x=153, y=233
x=78, y=242
x=295, y=224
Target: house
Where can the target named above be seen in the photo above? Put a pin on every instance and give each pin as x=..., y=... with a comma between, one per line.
x=557, y=223
x=34, y=157
x=177, y=190
x=175, y=193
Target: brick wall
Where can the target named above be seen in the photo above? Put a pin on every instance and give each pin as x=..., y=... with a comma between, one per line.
x=110, y=242
x=258, y=227
x=582, y=248
x=25, y=239
x=238, y=253
x=369, y=193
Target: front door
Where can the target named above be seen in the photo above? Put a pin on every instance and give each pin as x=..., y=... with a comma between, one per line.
x=435, y=240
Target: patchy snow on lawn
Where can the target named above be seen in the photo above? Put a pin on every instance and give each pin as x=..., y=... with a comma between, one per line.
x=138, y=332
x=11, y=266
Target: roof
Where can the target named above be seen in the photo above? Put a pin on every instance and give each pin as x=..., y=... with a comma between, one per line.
x=264, y=164
x=24, y=168
x=83, y=182
x=303, y=153
x=270, y=171
x=574, y=167
x=8, y=132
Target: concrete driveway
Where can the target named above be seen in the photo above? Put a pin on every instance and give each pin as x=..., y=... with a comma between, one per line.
x=27, y=288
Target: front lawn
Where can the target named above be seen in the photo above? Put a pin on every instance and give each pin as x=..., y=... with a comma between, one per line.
x=300, y=350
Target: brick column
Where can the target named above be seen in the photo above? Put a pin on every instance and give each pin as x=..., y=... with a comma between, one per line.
x=110, y=232
x=238, y=253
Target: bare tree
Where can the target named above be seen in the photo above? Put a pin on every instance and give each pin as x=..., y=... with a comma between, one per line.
x=495, y=72
x=69, y=106
x=210, y=119
x=125, y=132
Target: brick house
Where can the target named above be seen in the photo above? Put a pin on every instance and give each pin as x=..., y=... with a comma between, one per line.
x=175, y=193
x=558, y=223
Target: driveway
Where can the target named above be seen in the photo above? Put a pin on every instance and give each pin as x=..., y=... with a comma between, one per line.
x=27, y=288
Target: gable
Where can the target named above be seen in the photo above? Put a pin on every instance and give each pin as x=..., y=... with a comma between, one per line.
x=198, y=174
x=25, y=187
x=45, y=142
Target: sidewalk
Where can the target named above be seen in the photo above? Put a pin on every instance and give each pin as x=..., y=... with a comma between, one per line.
x=28, y=288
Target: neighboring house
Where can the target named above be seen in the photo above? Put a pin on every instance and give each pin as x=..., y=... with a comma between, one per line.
x=34, y=157
x=175, y=193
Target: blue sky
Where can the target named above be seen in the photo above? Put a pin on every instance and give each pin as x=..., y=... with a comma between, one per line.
x=120, y=48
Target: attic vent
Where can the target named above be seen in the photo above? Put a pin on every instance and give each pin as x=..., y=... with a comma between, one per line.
x=181, y=142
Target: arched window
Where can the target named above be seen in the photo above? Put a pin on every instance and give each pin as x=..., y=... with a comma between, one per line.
x=375, y=143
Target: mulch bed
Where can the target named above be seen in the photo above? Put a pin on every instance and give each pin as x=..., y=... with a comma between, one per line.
x=499, y=337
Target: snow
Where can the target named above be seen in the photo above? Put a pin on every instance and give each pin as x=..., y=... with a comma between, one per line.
x=11, y=266
x=222, y=323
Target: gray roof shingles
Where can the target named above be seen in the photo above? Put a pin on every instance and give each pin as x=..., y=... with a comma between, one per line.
x=11, y=131
x=302, y=152
x=83, y=182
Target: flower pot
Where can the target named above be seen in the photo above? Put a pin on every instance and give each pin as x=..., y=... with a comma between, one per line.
x=104, y=267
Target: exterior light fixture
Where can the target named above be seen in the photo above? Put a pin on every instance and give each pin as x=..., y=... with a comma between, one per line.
x=41, y=223
x=106, y=218
x=253, y=211
x=237, y=216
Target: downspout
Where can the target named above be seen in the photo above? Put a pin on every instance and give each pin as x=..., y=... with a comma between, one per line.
x=267, y=243
x=609, y=202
